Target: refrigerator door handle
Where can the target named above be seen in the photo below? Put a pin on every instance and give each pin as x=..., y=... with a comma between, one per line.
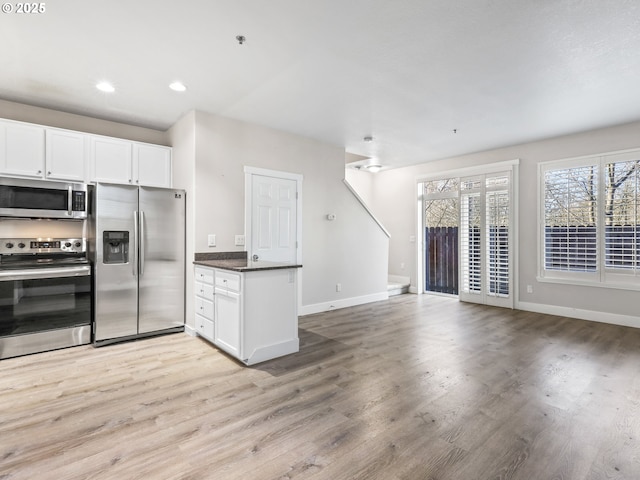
x=142, y=242
x=134, y=261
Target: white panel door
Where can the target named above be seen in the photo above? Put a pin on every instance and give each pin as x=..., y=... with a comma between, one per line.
x=273, y=219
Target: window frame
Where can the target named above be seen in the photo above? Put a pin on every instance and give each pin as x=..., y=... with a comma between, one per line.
x=603, y=276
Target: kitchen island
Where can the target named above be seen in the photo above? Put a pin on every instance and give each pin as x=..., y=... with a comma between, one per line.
x=249, y=309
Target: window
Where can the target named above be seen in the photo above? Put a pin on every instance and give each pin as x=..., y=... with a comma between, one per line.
x=590, y=216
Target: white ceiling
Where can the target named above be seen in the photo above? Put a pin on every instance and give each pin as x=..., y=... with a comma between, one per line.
x=407, y=72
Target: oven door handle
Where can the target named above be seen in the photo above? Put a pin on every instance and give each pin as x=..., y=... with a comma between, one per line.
x=43, y=273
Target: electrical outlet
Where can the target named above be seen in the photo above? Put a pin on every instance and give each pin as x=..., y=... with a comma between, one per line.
x=211, y=240
x=239, y=240
x=338, y=287
x=529, y=288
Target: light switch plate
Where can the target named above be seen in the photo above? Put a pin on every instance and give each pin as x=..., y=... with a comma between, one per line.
x=239, y=240
x=211, y=240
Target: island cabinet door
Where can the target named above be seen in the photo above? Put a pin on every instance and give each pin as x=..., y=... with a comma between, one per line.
x=228, y=319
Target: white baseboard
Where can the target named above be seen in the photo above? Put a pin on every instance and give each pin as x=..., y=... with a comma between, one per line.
x=591, y=315
x=342, y=303
x=413, y=289
x=189, y=330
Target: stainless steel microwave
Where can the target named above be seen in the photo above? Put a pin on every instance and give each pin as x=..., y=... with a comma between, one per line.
x=42, y=199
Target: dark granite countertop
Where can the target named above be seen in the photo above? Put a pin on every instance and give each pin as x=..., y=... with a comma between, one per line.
x=238, y=262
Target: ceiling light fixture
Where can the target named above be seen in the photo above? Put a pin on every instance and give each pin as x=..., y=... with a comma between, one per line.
x=368, y=138
x=241, y=39
x=374, y=168
x=178, y=87
x=105, y=87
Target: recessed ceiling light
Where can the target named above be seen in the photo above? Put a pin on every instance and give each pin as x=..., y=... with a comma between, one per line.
x=178, y=87
x=105, y=87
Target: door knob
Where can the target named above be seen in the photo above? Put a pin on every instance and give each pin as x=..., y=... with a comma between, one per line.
x=255, y=258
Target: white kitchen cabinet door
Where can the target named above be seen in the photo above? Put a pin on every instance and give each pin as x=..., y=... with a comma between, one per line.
x=111, y=160
x=152, y=165
x=22, y=148
x=65, y=155
x=228, y=318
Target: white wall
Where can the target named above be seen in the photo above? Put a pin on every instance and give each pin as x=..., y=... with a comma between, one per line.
x=396, y=205
x=362, y=183
x=182, y=135
x=351, y=250
x=80, y=123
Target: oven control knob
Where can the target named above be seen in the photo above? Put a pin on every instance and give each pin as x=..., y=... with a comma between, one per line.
x=21, y=245
x=8, y=245
x=77, y=244
x=67, y=244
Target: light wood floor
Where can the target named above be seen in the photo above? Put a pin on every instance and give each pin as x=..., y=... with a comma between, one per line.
x=412, y=388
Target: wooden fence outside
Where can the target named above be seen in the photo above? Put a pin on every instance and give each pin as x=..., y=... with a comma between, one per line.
x=441, y=254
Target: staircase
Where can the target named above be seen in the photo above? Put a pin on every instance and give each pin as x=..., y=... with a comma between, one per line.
x=397, y=285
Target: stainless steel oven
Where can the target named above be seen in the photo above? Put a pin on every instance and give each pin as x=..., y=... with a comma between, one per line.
x=40, y=199
x=45, y=295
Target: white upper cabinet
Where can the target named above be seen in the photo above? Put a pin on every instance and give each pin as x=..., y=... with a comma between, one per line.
x=121, y=161
x=37, y=151
x=22, y=148
x=152, y=165
x=111, y=160
x=65, y=155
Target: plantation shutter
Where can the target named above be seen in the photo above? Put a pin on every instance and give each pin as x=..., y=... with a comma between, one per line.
x=485, y=236
x=622, y=215
x=497, y=232
x=570, y=219
x=470, y=239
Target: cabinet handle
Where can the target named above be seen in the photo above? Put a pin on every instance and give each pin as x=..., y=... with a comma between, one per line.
x=39, y=172
x=129, y=180
x=48, y=173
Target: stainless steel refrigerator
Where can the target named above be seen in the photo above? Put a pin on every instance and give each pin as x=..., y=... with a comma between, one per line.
x=137, y=244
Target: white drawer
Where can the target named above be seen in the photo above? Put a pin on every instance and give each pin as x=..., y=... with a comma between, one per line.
x=228, y=280
x=204, y=290
x=204, y=275
x=204, y=307
x=204, y=327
